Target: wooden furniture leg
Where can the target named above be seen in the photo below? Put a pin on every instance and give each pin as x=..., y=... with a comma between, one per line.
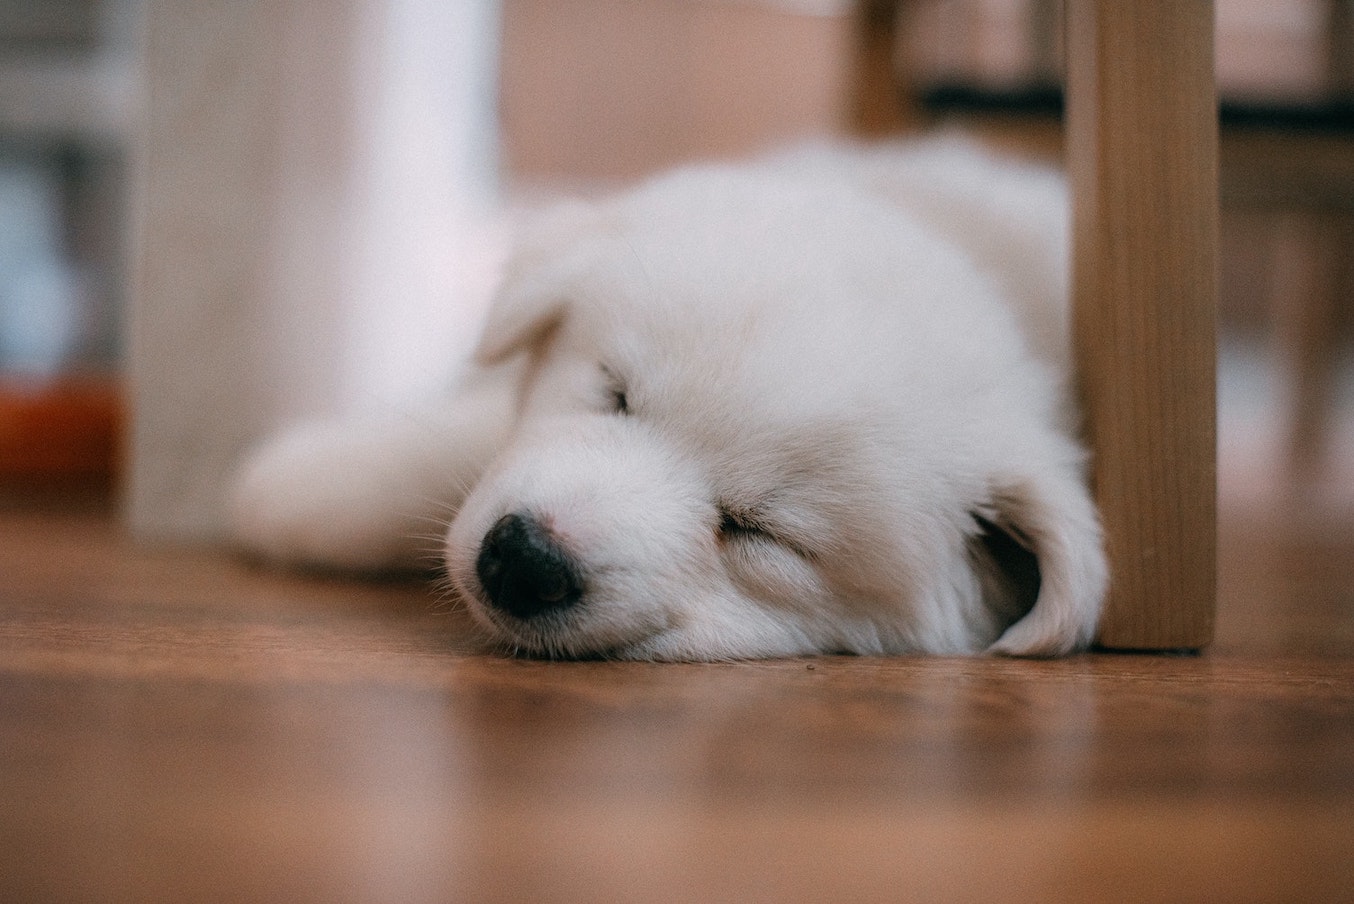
x=879, y=105
x=1310, y=316
x=1142, y=156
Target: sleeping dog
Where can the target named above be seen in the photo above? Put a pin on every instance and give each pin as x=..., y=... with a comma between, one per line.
x=816, y=403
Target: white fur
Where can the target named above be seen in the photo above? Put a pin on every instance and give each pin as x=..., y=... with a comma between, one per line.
x=864, y=349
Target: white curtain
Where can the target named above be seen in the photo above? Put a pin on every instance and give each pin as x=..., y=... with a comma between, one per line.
x=315, y=225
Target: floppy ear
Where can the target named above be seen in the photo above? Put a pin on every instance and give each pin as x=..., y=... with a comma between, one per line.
x=550, y=257
x=1040, y=559
x=1006, y=565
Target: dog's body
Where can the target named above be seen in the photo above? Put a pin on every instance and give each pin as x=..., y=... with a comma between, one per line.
x=816, y=404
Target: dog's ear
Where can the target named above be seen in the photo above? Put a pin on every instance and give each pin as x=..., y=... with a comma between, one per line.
x=548, y=260
x=1040, y=559
x=1006, y=565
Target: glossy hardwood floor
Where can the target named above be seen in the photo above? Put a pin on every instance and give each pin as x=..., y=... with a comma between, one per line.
x=176, y=726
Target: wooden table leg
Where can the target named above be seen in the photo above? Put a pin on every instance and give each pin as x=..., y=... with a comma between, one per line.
x=1142, y=156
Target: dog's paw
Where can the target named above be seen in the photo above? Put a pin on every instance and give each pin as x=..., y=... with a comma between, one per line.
x=332, y=497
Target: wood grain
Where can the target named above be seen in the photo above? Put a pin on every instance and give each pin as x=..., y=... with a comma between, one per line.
x=177, y=726
x=1142, y=156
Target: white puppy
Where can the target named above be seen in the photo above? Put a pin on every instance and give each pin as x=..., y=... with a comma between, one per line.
x=811, y=405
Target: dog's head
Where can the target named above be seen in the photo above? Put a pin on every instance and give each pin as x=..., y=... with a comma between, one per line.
x=766, y=418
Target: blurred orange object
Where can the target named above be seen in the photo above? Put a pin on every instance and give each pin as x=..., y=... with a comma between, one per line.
x=70, y=428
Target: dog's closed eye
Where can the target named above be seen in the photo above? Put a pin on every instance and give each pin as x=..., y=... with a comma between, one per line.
x=618, y=400
x=761, y=560
x=752, y=524
x=739, y=524
x=746, y=525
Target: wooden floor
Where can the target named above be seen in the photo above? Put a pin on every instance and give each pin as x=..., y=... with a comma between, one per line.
x=175, y=726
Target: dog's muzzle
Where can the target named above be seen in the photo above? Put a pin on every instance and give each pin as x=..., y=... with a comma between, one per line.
x=524, y=571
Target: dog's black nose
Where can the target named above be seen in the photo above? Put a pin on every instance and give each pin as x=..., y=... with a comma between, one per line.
x=524, y=571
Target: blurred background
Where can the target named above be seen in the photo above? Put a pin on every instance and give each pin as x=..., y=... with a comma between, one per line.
x=222, y=215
